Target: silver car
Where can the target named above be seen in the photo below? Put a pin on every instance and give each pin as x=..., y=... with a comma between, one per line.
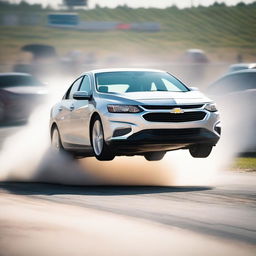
x=236, y=93
x=19, y=94
x=241, y=66
x=113, y=112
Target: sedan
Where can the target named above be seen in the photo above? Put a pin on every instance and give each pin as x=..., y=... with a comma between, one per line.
x=19, y=94
x=195, y=56
x=241, y=66
x=236, y=96
x=112, y=112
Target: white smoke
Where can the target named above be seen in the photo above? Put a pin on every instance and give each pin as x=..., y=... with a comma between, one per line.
x=25, y=156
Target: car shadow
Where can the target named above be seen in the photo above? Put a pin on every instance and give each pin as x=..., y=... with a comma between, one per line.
x=22, y=188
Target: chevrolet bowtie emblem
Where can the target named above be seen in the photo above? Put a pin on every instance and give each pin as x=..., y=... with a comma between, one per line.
x=177, y=111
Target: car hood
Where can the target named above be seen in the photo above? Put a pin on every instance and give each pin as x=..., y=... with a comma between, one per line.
x=160, y=97
x=27, y=90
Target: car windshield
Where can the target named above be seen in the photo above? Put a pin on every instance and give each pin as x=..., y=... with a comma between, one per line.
x=233, y=83
x=18, y=80
x=138, y=81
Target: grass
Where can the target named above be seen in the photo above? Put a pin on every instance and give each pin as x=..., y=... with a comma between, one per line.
x=220, y=30
x=245, y=163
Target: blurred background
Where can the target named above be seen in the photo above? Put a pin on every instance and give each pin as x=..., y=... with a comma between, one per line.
x=44, y=46
x=194, y=40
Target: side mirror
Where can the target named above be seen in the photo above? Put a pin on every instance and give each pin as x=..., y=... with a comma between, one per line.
x=193, y=88
x=82, y=95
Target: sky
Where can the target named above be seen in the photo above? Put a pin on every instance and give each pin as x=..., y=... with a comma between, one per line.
x=141, y=3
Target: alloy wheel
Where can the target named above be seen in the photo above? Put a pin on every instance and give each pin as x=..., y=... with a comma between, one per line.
x=55, y=143
x=97, y=137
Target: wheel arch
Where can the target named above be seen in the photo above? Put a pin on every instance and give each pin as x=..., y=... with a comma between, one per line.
x=93, y=117
x=54, y=125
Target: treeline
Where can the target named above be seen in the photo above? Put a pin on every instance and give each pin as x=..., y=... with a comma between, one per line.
x=214, y=26
x=24, y=6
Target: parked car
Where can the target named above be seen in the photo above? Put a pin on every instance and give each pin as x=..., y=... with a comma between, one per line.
x=235, y=94
x=44, y=61
x=194, y=56
x=19, y=94
x=233, y=82
x=113, y=112
x=241, y=66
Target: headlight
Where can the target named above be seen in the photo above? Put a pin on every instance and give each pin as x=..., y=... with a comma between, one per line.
x=211, y=107
x=123, y=109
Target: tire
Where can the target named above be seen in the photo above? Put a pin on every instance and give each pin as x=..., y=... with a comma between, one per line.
x=2, y=111
x=101, y=150
x=200, y=150
x=56, y=144
x=155, y=156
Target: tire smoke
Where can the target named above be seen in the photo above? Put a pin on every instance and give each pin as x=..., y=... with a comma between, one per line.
x=26, y=156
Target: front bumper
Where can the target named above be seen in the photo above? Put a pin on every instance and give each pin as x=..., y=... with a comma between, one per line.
x=164, y=140
x=141, y=135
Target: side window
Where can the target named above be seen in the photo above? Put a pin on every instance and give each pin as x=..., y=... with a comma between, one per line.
x=248, y=81
x=85, y=86
x=233, y=83
x=74, y=88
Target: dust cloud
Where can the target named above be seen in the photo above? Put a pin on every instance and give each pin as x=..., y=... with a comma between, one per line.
x=26, y=156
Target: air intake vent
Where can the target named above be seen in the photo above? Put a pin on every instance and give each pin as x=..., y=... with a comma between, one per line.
x=169, y=117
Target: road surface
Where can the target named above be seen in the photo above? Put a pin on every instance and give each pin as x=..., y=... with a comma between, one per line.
x=55, y=219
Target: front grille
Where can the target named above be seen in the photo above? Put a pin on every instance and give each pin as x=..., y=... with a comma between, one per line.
x=169, y=117
x=153, y=107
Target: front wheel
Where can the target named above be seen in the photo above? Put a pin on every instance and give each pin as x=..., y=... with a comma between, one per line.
x=56, y=142
x=154, y=156
x=101, y=150
x=200, y=150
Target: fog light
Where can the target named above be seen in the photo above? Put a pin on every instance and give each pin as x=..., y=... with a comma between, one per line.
x=217, y=128
x=121, y=132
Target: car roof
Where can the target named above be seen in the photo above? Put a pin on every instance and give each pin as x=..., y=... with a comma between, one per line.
x=195, y=51
x=14, y=74
x=243, y=71
x=106, y=70
x=242, y=65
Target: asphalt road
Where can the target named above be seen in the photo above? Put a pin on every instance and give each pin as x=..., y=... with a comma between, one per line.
x=129, y=220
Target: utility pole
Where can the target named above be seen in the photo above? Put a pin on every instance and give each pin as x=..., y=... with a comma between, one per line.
x=192, y=3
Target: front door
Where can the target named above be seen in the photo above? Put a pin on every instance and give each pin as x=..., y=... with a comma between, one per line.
x=81, y=116
x=66, y=126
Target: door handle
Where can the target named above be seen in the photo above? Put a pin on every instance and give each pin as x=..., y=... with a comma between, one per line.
x=72, y=107
x=60, y=108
